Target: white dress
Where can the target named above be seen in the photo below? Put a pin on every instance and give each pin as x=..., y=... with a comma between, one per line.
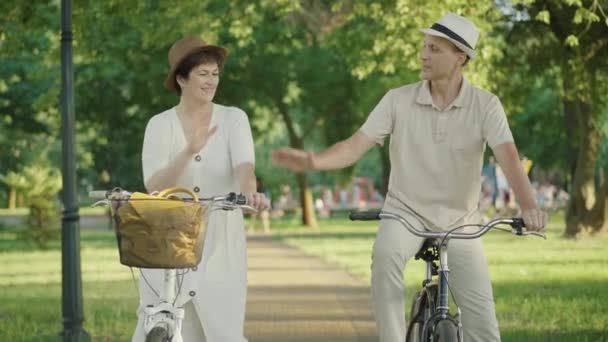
x=217, y=287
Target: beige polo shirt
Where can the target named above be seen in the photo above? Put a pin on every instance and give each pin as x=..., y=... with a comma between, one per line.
x=436, y=156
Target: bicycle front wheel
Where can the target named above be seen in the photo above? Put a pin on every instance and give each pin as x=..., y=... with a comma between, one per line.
x=158, y=334
x=414, y=332
x=445, y=331
x=422, y=307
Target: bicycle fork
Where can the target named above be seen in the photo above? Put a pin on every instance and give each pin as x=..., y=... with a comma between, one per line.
x=442, y=307
x=165, y=314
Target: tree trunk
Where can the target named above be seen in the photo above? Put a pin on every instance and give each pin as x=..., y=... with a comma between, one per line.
x=309, y=217
x=20, y=200
x=587, y=207
x=12, y=198
x=571, y=128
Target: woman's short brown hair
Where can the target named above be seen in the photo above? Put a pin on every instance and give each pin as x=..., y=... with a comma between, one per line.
x=202, y=56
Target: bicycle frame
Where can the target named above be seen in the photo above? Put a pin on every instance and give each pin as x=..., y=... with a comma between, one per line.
x=441, y=310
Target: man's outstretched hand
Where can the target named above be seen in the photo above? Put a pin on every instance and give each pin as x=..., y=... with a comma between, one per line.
x=293, y=159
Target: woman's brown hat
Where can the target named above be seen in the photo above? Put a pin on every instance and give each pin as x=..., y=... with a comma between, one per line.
x=185, y=47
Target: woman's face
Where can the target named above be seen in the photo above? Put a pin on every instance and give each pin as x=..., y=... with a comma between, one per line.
x=201, y=83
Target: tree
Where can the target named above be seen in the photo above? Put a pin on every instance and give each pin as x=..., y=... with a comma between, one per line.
x=284, y=68
x=565, y=43
x=28, y=84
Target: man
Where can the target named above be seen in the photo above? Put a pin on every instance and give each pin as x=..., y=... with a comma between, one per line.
x=438, y=129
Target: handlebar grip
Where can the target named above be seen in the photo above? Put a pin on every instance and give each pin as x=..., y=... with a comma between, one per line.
x=364, y=215
x=518, y=224
x=236, y=199
x=98, y=194
x=240, y=199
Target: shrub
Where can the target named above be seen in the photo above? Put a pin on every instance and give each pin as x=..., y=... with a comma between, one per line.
x=39, y=185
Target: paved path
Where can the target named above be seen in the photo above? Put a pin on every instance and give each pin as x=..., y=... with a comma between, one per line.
x=295, y=297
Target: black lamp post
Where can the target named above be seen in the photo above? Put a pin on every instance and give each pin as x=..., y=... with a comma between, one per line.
x=73, y=316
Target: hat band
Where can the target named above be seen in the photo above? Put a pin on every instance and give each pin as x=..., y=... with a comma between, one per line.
x=451, y=34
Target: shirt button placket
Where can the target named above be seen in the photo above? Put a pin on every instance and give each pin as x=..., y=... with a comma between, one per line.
x=441, y=121
x=197, y=159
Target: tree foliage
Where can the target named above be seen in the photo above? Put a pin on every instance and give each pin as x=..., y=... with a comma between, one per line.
x=307, y=72
x=562, y=45
x=39, y=183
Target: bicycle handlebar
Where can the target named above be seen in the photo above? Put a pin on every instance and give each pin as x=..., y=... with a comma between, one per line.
x=230, y=201
x=364, y=215
x=517, y=226
x=99, y=194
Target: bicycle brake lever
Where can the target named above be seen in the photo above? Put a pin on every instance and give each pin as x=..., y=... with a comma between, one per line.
x=536, y=234
x=524, y=232
x=250, y=208
x=102, y=202
x=231, y=206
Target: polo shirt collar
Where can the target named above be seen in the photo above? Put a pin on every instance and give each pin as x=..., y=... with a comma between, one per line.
x=464, y=89
x=424, y=94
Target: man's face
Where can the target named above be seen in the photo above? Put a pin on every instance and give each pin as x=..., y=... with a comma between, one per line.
x=440, y=58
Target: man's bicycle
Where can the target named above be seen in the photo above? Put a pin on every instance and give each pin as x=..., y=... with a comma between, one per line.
x=163, y=319
x=430, y=317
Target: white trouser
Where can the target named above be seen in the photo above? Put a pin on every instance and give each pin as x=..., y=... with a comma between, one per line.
x=468, y=279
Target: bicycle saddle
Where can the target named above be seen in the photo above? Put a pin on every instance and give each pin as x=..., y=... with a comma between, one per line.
x=428, y=251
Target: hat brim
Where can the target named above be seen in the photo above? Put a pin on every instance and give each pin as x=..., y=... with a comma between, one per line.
x=221, y=51
x=470, y=52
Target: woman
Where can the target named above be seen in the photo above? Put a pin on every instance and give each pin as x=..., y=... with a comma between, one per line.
x=208, y=148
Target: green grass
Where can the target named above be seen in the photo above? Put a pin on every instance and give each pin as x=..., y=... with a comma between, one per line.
x=30, y=290
x=545, y=290
x=16, y=211
x=554, y=290
x=24, y=211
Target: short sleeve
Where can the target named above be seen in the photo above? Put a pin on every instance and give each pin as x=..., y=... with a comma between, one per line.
x=379, y=123
x=495, y=128
x=156, y=147
x=240, y=140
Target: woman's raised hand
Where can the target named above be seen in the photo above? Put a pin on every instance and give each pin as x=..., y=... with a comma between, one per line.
x=199, y=138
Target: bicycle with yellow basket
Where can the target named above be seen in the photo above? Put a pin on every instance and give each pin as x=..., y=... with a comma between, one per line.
x=163, y=230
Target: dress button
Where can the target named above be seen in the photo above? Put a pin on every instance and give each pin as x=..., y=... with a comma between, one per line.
x=192, y=293
x=197, y=158
x=197, y=189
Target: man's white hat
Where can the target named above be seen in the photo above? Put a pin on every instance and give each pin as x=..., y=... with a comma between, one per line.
x=458, y=30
